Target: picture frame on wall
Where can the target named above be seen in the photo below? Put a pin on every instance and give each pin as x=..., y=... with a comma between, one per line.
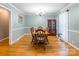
x=20, y=19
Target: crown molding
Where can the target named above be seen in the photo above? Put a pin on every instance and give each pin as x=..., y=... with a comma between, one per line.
x=64, y=8
x=15, y=8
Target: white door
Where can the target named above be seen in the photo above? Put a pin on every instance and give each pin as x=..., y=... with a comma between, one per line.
x=63, y=26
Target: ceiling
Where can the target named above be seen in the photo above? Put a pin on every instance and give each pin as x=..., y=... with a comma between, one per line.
x=33, y=8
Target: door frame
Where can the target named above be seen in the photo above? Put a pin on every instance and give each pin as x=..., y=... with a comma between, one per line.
x=10, y=23
x=66, y=27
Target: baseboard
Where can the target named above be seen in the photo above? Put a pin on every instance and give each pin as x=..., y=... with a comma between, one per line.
x=3, y=39
x=73, y=46
x=17, y=39
x=28, y=33
x=68, y=43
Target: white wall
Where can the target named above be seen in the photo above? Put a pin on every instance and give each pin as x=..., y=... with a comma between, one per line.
x=73, y=23
x=36, y=21
x=15, y=29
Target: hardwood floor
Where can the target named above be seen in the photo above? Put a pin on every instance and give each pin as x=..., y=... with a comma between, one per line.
x=24, y=48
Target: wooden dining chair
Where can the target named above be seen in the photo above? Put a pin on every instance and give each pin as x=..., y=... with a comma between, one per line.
x=32, y=33
x=40, y=36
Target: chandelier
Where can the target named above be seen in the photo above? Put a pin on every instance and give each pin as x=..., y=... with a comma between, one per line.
x=41, y=12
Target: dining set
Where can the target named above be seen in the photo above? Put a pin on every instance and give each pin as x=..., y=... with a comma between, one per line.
x=39, y=35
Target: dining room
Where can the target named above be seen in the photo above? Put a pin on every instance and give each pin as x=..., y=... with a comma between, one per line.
x=42, y=29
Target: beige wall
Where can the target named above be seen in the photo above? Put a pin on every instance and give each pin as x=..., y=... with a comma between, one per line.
x=4, y=22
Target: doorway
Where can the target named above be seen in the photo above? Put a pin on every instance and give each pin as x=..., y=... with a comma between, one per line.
x=4, y=25
x=63, y=26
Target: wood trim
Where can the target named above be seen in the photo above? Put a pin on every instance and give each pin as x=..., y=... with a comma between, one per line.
x=18, y=28
x=73, y=45
x=17, y=39
x=15, y=7
x=75, y=31
x=70, y=44
x=4, y=39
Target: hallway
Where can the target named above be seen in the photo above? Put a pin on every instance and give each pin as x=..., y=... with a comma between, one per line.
x=24, y=47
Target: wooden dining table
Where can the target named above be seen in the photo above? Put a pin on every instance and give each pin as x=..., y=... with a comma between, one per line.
x=40, y=35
